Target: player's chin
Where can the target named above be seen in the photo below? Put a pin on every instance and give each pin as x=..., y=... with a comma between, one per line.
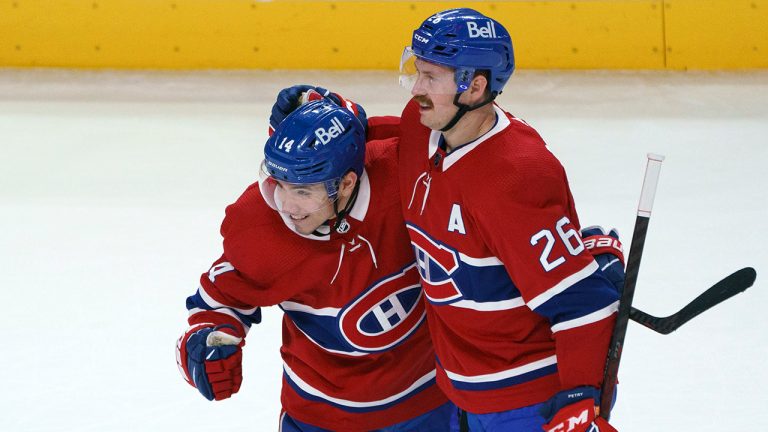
x=305, y=226
x=303, y=230
x=428, y=119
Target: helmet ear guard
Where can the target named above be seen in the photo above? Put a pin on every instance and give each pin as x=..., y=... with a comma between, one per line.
x=463, y=78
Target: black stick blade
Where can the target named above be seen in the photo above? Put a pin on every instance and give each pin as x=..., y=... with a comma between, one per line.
x=733, y=284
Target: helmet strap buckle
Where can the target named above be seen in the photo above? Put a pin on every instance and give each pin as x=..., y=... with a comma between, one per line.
x=341, y=225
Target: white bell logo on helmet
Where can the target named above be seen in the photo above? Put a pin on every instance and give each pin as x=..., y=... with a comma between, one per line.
x=488, y=31
x=326, y=135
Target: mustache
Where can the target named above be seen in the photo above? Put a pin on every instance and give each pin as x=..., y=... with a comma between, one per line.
x=423, y=100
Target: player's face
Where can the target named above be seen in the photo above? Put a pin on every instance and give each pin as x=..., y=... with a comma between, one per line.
x=307, y=206
x=434, y=91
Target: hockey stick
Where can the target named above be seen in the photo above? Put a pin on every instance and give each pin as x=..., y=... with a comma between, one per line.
x=616, y=346
x=728, y=287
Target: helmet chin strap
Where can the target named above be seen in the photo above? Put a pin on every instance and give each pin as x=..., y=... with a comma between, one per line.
x=340, y=214
x=464, y=108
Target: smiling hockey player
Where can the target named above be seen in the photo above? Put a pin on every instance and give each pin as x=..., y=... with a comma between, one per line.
x=321, y=236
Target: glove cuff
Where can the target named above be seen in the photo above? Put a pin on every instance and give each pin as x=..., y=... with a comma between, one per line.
x=224, y=335
x=604, y=244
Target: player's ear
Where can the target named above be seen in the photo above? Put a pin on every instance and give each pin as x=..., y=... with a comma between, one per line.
x=478, y=87
x=347, y=184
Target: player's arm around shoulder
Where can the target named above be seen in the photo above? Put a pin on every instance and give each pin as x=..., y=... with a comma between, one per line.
x=381, y=155
x=383, y=127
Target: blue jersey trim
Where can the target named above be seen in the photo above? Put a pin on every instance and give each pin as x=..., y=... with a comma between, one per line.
x=347, y=408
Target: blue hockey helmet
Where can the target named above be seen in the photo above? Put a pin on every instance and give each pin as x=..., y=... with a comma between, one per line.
x=466, y=40
x=319, y=142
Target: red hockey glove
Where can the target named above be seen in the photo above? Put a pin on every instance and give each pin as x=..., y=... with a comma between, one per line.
x=598, y=241
x=607, y=250
x=210, y=359
x=574, y=411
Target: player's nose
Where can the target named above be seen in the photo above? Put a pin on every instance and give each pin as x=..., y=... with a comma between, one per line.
x=291, y=206
x=418, y=89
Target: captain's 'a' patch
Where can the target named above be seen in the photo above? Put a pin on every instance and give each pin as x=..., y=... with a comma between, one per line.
x=455, y=222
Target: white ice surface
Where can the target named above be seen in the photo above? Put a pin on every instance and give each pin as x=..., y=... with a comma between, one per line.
x=113, y=185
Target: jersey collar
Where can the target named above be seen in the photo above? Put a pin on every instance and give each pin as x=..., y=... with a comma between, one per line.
x=436, y=136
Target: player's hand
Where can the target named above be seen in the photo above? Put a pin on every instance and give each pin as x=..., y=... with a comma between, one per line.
x=574, y=410
x=288, y=100
x=291, y=98
x=608, y=252
x=210, y=359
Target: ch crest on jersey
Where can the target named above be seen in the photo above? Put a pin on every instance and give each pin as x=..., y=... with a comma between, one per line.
x=385, y=314
x=436, y=263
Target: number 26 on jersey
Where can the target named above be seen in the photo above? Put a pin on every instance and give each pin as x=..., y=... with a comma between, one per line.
x=570, y=238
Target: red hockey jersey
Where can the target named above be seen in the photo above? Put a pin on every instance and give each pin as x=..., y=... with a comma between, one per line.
x=356, y=350
x=517, y=308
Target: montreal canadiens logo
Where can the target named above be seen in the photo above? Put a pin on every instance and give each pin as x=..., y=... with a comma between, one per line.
x=385, y=314
x=437, y=263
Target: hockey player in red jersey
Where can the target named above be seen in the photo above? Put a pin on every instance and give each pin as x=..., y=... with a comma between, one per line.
x=321, y=235
x=519, y=310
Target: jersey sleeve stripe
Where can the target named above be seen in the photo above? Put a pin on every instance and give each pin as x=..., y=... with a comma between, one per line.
x=298, y=307
x=587, y=319
x=247, y=317
x=214, y=304
x=306, y=390
x=490, y=306
x=246, y=326
x=563, y=285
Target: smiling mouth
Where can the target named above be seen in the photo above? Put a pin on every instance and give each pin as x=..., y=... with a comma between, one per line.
x=298, y=218
x=424, y=104
x=423, y=108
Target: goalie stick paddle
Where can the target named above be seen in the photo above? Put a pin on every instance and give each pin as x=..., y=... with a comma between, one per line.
x=731, y=285
x=616, y=345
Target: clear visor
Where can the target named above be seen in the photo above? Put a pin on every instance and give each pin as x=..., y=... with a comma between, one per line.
x=419, y=76
x=294, y=199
